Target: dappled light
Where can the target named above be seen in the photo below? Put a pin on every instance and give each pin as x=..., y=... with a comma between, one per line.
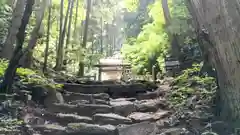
x=119, y=67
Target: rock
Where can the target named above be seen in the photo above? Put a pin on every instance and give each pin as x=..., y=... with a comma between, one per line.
x=90, y=129
x=72, y=96
x=111, y=118
x=39, y=93
x=95, y=101
x=151, y=105
x=161, y=114
x=48, y=129
x=174, y=131
x=149, y=95
x=116, y=90
x=52, y=97
x=81, y=109
x=144, y=128
x=140, y=117
x=86, y=89
x=123, y=108
x=63, y=119
x=123, y=99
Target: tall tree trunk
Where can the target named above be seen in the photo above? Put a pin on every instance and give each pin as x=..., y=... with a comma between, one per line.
x=219, y=21
x=81, y=63
x=60, y=48
x=76, y=20
x=8, y=47
x=37, y=32
x=175, y=49
x=61, y=18
x=69, y=30
x=48, y=37
x=6, y=85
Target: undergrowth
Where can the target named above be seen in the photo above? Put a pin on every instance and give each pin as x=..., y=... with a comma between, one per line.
x=28, y=76
x=190, y=84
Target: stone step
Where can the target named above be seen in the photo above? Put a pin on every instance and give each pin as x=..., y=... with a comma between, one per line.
x=111, y=118
x=94, y=101
x=152, y=117
x=116, y=90
x=61, y=118
x=72, y=96
x=150, y=95
x=151, y=105
x=80, y=109
x=90, y=129
x=123, y=108
x=49, y=129
x=143, y=128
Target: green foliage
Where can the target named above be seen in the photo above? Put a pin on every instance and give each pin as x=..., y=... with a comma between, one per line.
x=181, y=23
x=131, y=5
x=189, y=84
x=28, y=76
x=9, y=124
x=150, y=45
x=5, y=16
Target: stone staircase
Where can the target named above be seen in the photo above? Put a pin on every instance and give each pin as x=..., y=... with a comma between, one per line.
x=111, y=109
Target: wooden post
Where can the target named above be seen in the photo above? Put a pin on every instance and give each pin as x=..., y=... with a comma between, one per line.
x=154, y=77
x=99, y=73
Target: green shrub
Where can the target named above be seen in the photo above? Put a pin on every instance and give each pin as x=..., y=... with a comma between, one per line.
x=189, y=84
x=28, y=76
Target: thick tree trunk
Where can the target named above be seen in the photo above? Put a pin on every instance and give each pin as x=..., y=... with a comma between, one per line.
x=8, y=47
x=219, y=21
x=6, y=85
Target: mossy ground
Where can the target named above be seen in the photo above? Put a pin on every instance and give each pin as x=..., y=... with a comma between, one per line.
x=29, y=76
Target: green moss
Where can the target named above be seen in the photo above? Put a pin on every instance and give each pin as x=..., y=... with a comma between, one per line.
x=188, y=84
x=28, y=76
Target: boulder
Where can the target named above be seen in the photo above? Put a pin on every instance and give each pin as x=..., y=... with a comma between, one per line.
x=111, y=118
x=144, y=128
x=90, y=129
x=52, y=97
x=123, y=108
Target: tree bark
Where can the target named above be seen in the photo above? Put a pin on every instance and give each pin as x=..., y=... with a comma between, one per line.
x=175, y=48
x=219, y=21
x=48, y=38
x=60, y=48
x=8, y=47
x=69, y=29
x=81, y=63
x=6, y=85
x=27, y=59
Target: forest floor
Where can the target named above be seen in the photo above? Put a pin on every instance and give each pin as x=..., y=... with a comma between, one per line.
x=107, y=108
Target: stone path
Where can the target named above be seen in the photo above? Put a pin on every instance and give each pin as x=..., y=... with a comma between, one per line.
x=88, y=110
